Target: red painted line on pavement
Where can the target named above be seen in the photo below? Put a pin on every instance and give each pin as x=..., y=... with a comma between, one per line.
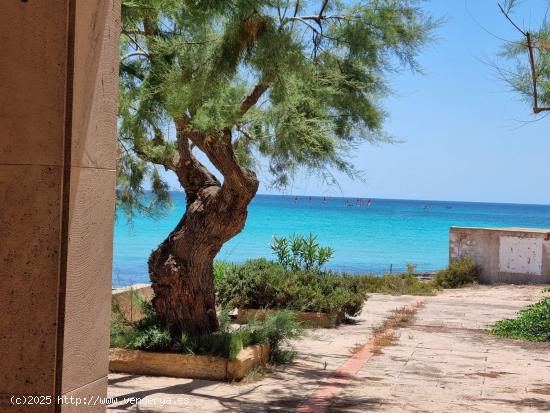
x=335, y=384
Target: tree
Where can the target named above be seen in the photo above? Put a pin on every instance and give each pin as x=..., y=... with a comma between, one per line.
x=296, y=84
x=531, y=59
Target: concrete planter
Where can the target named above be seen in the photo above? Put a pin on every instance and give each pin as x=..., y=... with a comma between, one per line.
x=309, y=319
x=187, y=366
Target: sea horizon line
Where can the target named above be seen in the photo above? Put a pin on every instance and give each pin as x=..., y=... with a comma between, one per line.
x=375, y=198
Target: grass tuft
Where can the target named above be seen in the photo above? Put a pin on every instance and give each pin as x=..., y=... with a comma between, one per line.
x=382, y=340
x=400, y=284
x=385, y=333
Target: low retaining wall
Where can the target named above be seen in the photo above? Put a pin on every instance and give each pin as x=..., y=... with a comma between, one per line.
x=123, y=298
x=188, y=366
x=504, y=255
x=309, y=319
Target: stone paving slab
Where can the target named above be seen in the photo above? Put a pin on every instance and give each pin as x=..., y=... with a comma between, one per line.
x=319, y=353
x=445, y=362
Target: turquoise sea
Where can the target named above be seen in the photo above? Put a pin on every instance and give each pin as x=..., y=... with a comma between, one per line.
x=366, y=238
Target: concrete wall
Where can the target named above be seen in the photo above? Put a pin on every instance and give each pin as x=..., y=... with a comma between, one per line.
x=126, y=299
x=58, y=93
x=505, y=255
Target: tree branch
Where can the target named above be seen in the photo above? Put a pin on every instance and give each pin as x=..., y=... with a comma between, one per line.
x=137, y=53
x=296, y=8
x=532, y=63
x=510, y=20
x=323, y=7
x=146, y=156
x=245, y=133
x=192, y=174
x=536, y=107
x=124, y=68
x=319, y=32
x=238, y=181
x=319, y=19
x=144, y=153
x=253, y=97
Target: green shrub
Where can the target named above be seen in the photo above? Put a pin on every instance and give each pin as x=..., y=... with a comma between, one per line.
x=459, y=273
x=239, y=286
x=301, y=253
x=265, y=284
x=411, y=268
x=532, y=323
x=149, y=335
x=220, y=269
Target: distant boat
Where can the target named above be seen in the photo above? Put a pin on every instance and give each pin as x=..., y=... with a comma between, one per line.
x=425, y=207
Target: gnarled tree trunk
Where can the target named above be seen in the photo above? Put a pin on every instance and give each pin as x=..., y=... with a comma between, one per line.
x=181, y=268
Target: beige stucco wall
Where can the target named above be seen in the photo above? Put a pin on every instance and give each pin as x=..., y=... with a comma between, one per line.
x=58, y=92
x=505, y=255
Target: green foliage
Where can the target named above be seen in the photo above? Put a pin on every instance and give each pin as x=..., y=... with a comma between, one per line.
x=532, y=323
x=130, y=194
x=264, y=284
x=220, y=269
x=395, y=284
x=149, y=335
x=518, y=72
x=459, y=273
x=411, y=269
x=240, y=283
x=301, y=253
x=320, y=82
x=277, y=330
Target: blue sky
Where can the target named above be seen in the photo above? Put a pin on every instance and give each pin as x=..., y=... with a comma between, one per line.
x=467, y=136
x=465, y=131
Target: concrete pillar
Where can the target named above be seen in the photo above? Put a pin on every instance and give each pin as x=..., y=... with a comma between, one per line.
x=58, y=93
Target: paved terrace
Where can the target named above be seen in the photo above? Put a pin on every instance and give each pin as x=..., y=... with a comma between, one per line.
x=444, y=362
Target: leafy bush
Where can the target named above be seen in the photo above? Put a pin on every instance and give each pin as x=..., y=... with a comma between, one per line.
x=301, y=253
x=149, y=335
x=265, y=284
x=459, y=273
x=532, y=323
x=239, y=284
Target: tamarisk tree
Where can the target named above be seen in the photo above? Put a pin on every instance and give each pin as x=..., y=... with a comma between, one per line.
x=530, y=56
x=236, y=86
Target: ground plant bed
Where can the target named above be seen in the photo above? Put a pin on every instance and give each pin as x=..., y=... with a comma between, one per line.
x=308, y=319
x=186, y=365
